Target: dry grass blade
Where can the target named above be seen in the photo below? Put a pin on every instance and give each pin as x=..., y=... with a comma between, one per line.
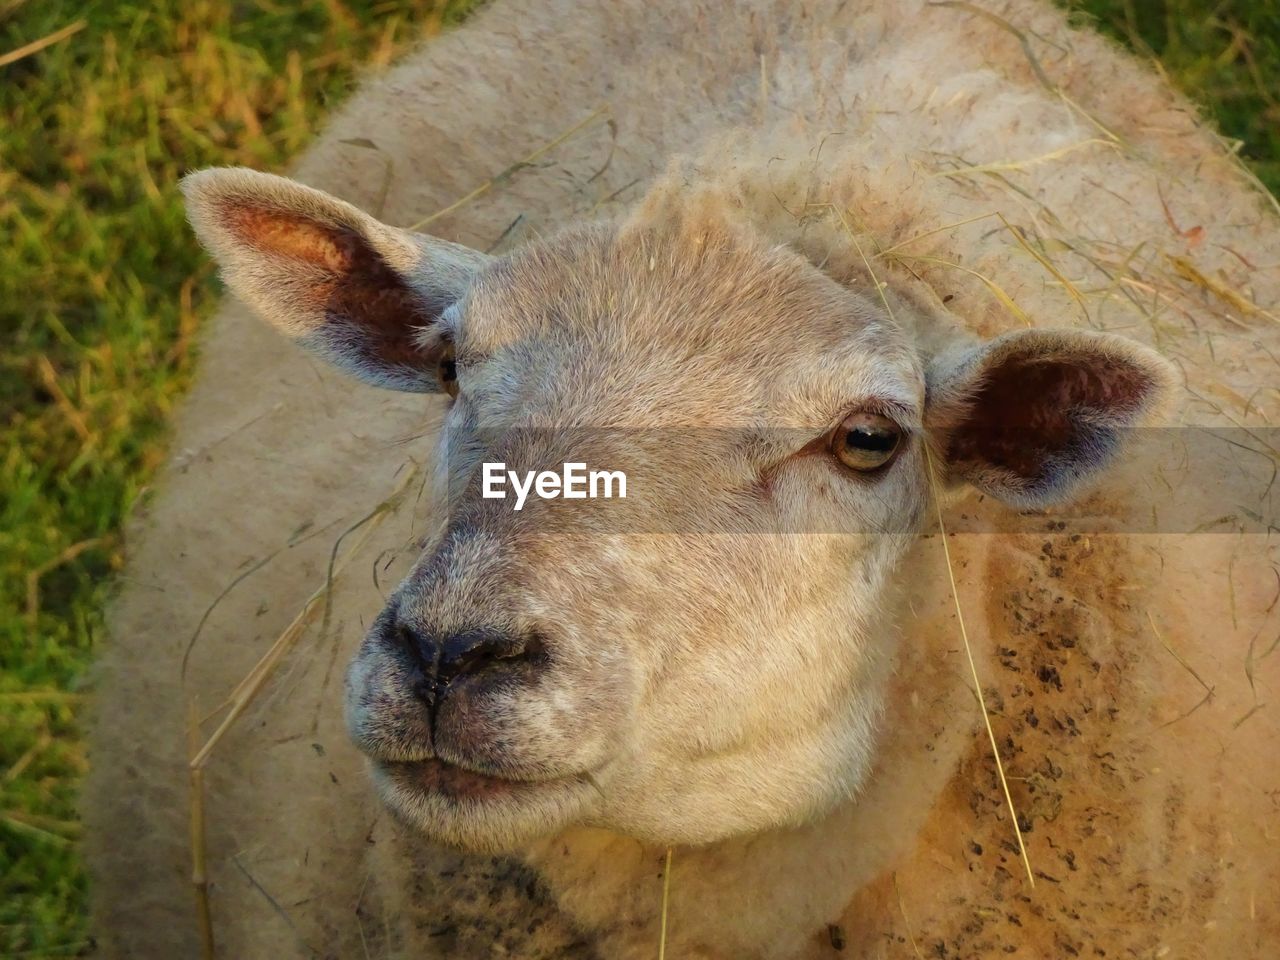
x=1018, y=235
x=888, y=251
x=1177, y=656
x=519, y=165
x=997, y=291
x=1003, y=24
x=295, y=540
x=902, y=908
x=1102, y=127
x=1251, y=659
x=248, y=688
x=275, y=905
x=61, y=830
x=204, y=618
x=43, y=742
x=22, y=823
x=35, y=46
x=973, y=667
x=1208, y=690
x=1188, y=271
x=1237, y=724
x=1018, y=165
x=666, y=899
x=848, y=229
x=1045, y=262
x=33, y=577
x=49, y=379
x=954, y=592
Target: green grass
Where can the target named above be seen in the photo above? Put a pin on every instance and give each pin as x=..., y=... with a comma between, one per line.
x=102, y=290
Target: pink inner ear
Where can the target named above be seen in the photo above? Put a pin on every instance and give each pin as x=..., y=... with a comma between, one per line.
x=1029, y=410
x=276, y=232
x=351, y=285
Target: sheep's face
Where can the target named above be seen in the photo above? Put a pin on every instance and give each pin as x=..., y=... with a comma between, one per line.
x=705, y=656
x=702, y=656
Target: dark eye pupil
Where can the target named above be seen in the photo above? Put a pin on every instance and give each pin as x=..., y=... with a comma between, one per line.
x=869, y=439
x=448, y=370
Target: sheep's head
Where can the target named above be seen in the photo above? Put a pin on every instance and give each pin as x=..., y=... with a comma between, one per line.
x=705, y=657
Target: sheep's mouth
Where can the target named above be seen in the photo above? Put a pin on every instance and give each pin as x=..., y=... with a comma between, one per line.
x=435, y=776
x=480, y=812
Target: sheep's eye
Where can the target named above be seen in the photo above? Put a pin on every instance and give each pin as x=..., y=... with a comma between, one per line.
x=866, y=441
x=447, y=371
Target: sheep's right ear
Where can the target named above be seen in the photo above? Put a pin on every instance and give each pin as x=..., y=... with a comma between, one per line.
x=352, y=289
x=1031, y=415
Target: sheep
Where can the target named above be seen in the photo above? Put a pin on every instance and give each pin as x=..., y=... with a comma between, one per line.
x=908, y=236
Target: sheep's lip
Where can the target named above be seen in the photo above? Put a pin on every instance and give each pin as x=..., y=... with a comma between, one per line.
x=457, y=783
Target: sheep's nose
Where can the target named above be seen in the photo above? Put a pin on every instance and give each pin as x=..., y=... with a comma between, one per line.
x=444, y=658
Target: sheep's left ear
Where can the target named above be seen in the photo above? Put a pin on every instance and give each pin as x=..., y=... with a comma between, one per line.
x=1030, y=415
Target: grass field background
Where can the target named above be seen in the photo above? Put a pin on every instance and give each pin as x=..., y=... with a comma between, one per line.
x=103, y=105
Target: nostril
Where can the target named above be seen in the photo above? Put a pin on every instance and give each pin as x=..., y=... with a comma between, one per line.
x=472, y=651
x=422, y=648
